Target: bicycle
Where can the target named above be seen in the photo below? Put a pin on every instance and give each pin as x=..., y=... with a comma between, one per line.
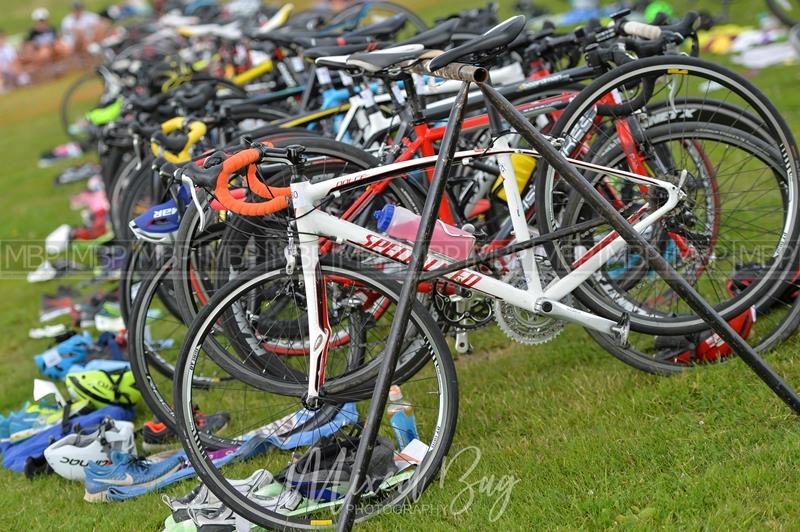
x=370, y=380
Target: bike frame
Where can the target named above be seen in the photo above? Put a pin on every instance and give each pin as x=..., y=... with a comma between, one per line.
x=311, y=223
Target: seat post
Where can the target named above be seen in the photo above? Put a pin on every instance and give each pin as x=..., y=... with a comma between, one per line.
x=412, y=97
x=405, y=303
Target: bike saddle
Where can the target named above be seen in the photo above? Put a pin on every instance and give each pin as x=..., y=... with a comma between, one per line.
x=383, y=59
x=436, y=37
x=380, y=30
x=137, y=128
x=227, y=32
x=484, y=47
x=195, y=98
x=147, y=104
x=309, y=40
x=344, y=50
x=336, y=62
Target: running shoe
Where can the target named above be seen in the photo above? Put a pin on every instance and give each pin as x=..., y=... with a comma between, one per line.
x=48, y=331
x=59, y=304
x=60, y=153
x=24, y=417
x=157, y=435
x=222, y=518
x=77, y=173
x=201, y=499
x=44, y=272
x=127, y=470
x=35, y=419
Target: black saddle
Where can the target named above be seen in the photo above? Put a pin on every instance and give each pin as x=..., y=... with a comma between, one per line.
x=380, y=30
x=383, y=59
x=483, y=47
x=173, y=142
x=436, y=37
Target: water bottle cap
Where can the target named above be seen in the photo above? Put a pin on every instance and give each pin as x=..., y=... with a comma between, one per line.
x=394, y=393
x=384, y=217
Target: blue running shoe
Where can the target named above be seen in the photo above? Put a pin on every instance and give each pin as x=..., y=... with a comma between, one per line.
x=25, y=418
x=127, y=470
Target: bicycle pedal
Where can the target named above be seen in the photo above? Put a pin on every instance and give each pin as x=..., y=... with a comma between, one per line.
x=621, y=330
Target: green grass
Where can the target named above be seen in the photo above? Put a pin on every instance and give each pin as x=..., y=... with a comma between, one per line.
x=589, y=443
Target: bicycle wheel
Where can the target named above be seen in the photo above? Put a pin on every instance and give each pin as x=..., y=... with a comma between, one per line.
x=787, y=11
x=142, y=260
x=766, y=324
x=79, y=98
x=154, y=338
x=431, y=390
x=765, y=192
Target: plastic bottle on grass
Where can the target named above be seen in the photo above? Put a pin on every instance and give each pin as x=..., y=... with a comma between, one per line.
x=401, y=418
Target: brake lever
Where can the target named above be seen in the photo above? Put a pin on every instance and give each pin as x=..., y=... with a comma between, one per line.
x=198, y=205
x=137, y=150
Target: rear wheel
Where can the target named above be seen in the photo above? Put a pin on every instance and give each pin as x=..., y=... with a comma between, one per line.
x=760, y=182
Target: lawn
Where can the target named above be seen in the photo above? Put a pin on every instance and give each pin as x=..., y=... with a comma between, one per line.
x=557, y=436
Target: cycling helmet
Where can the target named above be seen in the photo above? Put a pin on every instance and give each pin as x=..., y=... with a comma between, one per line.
x=104, y=387
x=160, y=223
x=69, y=455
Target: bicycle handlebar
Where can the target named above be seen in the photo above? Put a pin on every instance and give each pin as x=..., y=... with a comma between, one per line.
x=218, y=175
x=239, y=161
x=640, y=29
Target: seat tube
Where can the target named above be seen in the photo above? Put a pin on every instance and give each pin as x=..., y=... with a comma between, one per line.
x=516, y=210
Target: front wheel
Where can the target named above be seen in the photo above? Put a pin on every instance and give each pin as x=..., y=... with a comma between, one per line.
x=787, y=11
x=261, y=322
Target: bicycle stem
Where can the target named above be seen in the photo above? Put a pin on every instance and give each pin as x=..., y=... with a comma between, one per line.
x=651, y=255
x=403, y=314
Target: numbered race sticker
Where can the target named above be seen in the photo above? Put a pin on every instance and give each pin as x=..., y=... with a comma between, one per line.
x=51, y=358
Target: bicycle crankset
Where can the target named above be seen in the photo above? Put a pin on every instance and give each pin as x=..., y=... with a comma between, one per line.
x=522, y=325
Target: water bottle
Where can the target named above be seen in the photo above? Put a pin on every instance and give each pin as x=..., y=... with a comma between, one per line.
x=401, y=418
x=447, y=240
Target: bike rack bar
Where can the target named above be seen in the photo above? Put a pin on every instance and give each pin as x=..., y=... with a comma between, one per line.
x=650, y=253
x=593, y=198
x=405, y=303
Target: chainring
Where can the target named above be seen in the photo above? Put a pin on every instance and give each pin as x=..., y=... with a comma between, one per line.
x=522, y=325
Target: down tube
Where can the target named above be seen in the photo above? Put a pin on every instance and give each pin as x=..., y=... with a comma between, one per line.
x=328, y=225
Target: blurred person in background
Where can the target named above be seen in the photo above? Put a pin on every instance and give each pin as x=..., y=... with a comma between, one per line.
x=42, y=44
x=11, y=73
x=81, y=28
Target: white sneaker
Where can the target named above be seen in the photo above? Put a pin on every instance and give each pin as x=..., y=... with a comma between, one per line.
x=45, y=272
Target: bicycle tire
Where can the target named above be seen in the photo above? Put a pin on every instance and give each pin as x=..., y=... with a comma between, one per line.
x=760, y=106
x=216, y=481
